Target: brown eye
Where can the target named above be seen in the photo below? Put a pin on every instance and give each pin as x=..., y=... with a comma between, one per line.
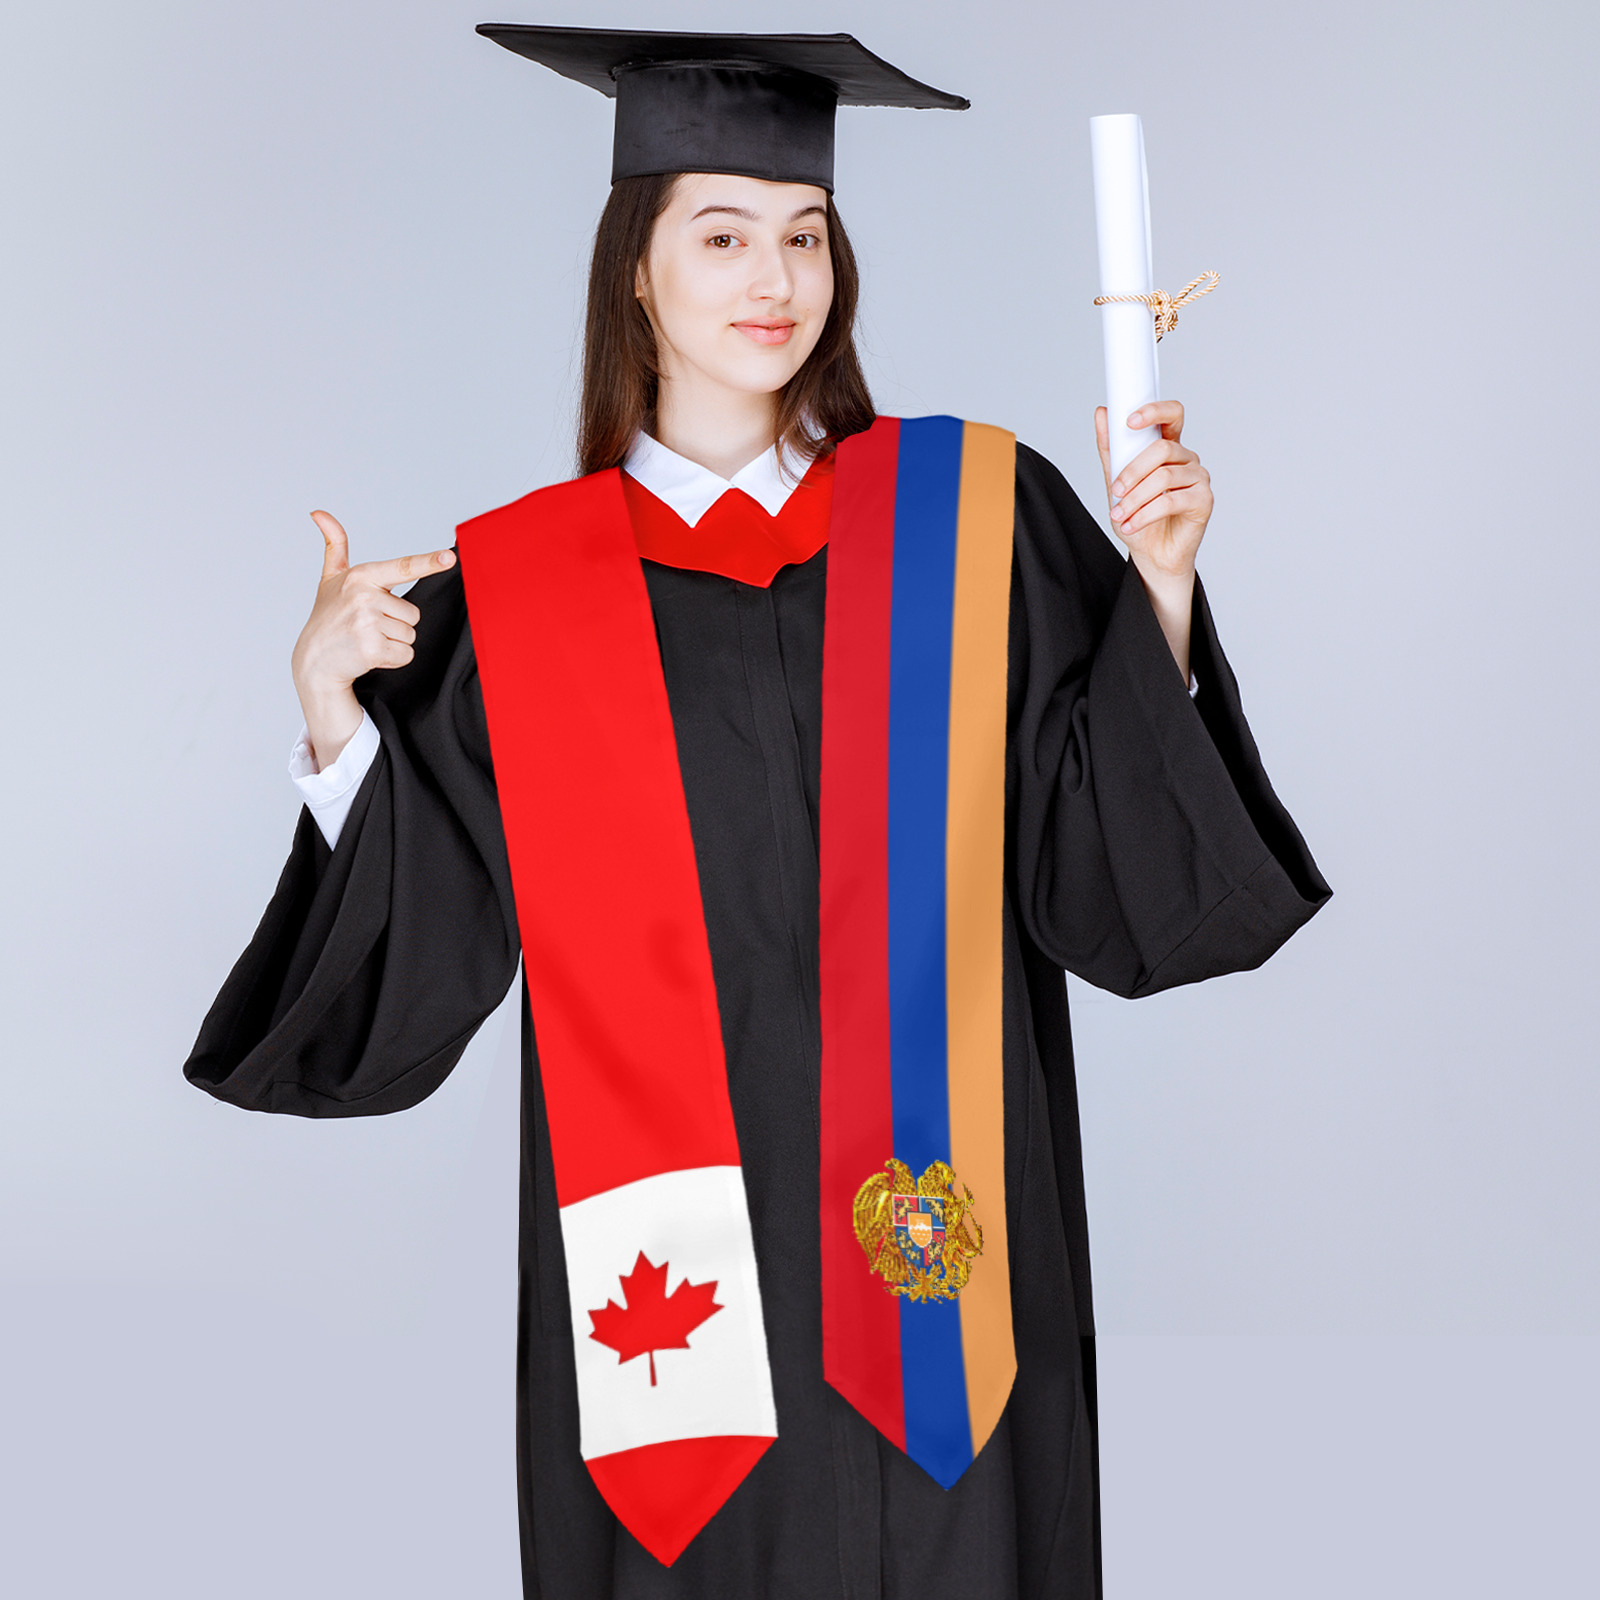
x=721, y=240
x=807, y=241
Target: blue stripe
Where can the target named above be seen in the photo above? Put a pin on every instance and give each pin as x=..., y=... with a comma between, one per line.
x=934, y=1375
x=927, y=502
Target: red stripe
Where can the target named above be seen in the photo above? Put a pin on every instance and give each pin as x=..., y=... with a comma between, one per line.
x=602, y=862
x=861, y=1323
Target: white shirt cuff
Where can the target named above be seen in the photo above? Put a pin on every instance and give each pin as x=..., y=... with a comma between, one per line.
x=330, y=793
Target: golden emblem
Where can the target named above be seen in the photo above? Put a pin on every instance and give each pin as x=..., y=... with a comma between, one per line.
x=918, y=1233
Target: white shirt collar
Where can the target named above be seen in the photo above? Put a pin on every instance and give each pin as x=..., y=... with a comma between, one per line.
x=691, y=490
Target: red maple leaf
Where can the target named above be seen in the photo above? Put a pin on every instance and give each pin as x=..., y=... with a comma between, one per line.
x=650, y=1319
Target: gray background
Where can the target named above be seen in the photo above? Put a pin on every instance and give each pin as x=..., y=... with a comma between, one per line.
x=331, y=253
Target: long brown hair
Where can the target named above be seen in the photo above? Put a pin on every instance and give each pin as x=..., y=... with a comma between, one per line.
x=825, y=401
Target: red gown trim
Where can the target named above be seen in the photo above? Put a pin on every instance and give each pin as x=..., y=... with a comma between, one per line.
x=736, y=537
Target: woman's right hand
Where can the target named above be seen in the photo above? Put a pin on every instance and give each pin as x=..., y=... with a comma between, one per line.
x=356, y=625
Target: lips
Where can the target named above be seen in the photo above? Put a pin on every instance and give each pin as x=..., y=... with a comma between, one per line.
x=774, y=330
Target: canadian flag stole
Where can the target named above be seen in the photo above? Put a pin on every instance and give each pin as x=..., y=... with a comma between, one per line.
x=674, y=1386
x=674, y=1389
x=912, y=842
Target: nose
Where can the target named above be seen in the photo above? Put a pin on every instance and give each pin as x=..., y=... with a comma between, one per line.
x=772, y=278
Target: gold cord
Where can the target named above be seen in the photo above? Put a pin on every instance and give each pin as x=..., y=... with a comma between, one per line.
x=1163, y=304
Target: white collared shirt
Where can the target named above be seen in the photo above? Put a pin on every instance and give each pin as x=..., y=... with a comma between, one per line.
x=690, y=489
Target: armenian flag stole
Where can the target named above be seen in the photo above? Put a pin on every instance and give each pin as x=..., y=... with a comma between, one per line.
x=916, y=1277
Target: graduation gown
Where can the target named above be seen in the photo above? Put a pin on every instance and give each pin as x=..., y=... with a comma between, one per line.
x=1145, y=848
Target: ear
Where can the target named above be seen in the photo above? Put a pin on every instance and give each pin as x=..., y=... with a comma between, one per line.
x=641, y=282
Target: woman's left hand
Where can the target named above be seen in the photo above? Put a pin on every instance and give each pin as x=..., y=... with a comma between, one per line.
x=1161, y=501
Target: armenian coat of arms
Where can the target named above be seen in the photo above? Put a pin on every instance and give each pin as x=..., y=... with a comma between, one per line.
x=918, y=1233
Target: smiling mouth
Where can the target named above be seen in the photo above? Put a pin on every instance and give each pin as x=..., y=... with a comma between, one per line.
x=766, y=332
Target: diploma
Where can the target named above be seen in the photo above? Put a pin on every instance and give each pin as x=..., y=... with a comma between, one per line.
x=1122, y=223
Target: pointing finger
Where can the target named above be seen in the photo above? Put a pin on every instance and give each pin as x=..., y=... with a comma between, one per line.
x=402, y=569
x=336, y=547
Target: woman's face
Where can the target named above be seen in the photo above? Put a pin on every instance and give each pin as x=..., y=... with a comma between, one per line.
x=738, y=280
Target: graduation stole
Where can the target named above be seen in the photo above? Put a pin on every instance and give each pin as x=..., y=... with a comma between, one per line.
x=655, y=1227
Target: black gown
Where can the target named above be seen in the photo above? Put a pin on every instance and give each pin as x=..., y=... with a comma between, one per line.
x=1145, y=849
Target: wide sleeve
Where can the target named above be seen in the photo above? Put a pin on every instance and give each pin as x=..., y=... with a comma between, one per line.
x=1149, y=849
x=377, y=961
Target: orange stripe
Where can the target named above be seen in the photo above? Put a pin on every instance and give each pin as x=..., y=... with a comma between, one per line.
x=975, y=868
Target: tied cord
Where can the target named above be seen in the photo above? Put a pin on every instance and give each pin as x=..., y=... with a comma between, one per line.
x=1163, y=304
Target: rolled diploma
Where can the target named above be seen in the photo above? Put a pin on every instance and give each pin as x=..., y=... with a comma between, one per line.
x=1122, y=222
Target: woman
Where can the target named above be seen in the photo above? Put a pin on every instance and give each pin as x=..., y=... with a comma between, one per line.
x=694, y=759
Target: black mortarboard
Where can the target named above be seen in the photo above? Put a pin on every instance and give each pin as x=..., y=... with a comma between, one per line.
x=758, y=104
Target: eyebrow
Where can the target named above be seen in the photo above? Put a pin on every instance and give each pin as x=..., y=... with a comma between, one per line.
x=751, y=216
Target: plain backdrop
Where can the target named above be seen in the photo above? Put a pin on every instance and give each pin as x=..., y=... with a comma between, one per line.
x=1345, y=1210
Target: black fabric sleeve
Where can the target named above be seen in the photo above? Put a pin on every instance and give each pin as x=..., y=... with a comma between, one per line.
x=1150, y=849
x=377, y=961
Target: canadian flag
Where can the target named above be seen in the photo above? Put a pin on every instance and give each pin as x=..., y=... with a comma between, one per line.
x=668, y=1438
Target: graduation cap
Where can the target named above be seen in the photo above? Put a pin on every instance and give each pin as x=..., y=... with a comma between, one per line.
x=757, y=104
